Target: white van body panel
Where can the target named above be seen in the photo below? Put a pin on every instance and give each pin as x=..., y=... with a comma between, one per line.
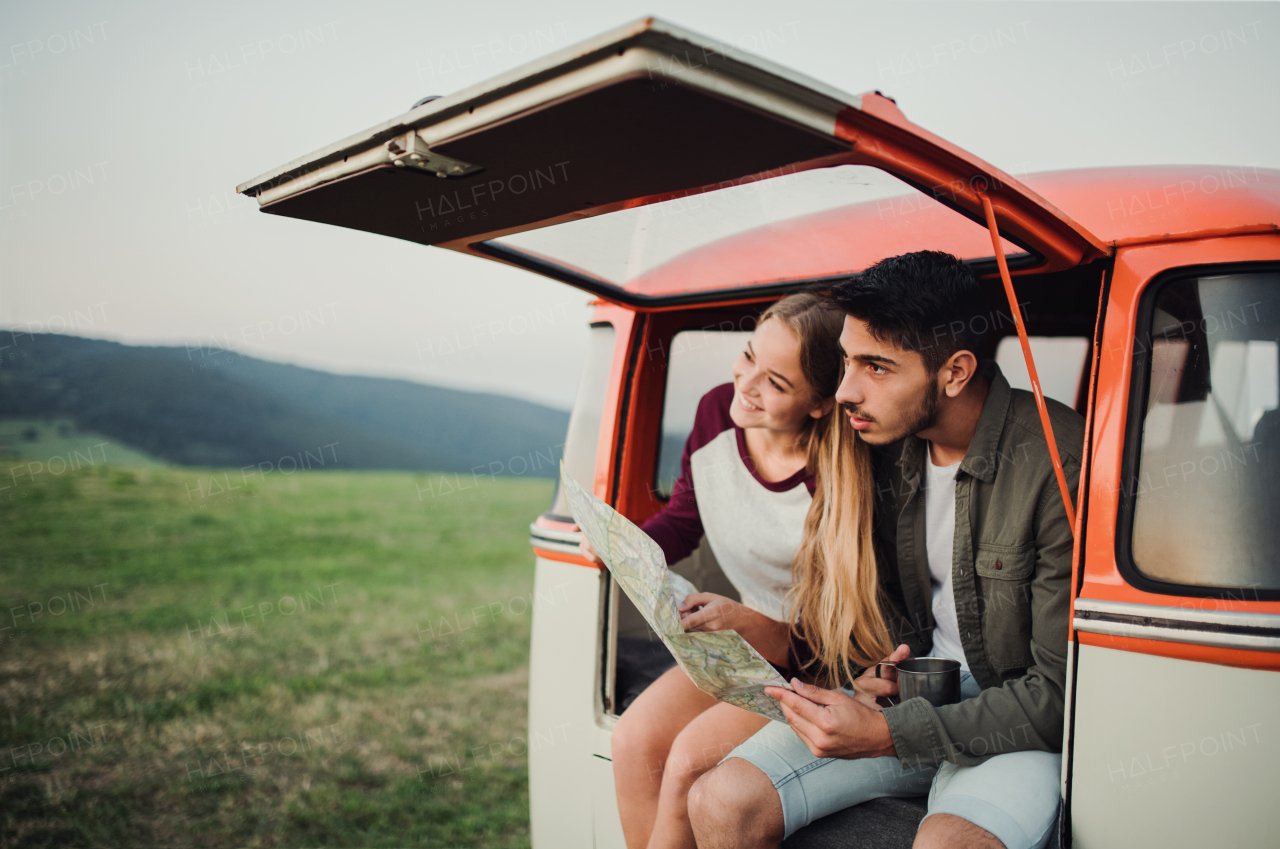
x=607, y=825
x=1201, y=770
x=564, y=703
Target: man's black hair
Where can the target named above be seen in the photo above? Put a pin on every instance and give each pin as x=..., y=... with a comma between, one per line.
x=926, y=301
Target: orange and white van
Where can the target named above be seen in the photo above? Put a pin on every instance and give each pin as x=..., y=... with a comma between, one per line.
x=686, y=188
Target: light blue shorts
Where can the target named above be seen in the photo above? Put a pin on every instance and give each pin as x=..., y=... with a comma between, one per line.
x=1013, y=796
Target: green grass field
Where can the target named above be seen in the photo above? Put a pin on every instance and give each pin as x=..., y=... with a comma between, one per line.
x=191, y=657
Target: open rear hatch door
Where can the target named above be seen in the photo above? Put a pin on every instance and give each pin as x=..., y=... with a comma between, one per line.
x=590, y=166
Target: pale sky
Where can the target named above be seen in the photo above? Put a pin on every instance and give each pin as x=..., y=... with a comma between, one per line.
x=125, y=127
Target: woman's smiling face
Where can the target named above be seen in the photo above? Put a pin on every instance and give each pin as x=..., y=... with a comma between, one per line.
x=770, y=390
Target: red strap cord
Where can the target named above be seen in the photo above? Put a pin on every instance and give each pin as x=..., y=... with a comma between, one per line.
x=1031, y=364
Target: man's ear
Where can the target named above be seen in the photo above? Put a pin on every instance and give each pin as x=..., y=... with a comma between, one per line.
x=957, y=371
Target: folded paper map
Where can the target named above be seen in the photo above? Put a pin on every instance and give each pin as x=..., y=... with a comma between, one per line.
x=720, y=663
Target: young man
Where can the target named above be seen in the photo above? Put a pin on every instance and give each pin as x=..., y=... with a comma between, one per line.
x=977, y=561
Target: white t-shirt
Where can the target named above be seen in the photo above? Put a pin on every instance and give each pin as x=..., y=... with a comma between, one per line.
x=940, y=529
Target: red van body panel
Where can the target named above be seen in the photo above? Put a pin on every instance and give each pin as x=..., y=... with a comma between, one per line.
x=1134, y=267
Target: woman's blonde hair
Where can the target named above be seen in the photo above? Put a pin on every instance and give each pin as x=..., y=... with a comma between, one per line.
x=835, y=596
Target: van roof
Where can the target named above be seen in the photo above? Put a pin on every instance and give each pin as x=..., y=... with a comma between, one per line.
x=1154, y=203
x=1121, y=206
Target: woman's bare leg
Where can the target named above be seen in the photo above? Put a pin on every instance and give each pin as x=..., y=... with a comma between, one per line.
x=702, y=744
x=641, y=742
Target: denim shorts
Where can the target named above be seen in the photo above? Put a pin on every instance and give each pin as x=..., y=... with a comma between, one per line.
x=1014, y=796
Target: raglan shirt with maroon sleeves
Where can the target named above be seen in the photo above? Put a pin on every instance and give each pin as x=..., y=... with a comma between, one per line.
x=754, y=526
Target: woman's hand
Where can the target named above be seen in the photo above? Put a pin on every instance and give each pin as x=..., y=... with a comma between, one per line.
x=585, y=549
x=711, y=612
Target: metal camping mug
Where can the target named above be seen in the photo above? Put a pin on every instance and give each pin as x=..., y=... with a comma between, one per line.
x=935, y=679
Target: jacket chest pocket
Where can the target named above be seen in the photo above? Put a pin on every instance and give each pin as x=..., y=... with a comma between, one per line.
x=1004, y=584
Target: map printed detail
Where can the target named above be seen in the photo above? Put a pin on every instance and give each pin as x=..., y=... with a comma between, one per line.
x=720, y=663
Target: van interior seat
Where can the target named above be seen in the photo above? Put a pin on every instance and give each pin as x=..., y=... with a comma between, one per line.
x=887, y=823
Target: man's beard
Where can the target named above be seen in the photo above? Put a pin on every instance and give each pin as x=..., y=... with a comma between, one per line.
x=923, y=417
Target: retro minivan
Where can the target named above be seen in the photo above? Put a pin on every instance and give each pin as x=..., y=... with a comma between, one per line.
x=686, y=187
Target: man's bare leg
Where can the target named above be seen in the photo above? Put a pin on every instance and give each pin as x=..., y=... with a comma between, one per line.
x=697, y=750
x=735, y=805
x=947, y=831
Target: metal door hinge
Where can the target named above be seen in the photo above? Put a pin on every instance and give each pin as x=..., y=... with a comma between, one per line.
x=410, y=151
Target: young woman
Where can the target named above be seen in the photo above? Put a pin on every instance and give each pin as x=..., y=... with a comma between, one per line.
x=754, y=480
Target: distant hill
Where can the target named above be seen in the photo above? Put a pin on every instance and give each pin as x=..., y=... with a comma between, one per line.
x=224, y=409
x=56, y=444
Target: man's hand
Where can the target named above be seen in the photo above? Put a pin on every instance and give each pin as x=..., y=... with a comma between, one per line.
x=870, y=689
x=834, y=725
x=711, y=612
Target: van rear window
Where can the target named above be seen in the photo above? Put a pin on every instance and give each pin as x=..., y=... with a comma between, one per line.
x=1203, y=472
x=783, y=226
x=697, y=362
x=1060, y=362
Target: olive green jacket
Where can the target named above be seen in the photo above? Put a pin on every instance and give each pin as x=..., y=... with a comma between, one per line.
x=1011, y=571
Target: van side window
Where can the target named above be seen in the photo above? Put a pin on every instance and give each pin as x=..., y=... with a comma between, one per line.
x=1206, y=505
x=697, y=362
x=1060, y=362
x=583, y=438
